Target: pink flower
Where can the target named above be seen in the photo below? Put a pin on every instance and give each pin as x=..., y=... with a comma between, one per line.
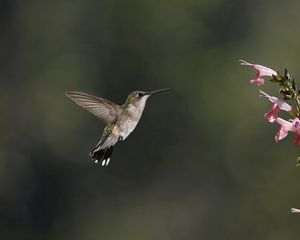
x=295, y=210
x=260, y=72
x=272, y=115
x=281, y=134
x=285, y=127
x=297, y=140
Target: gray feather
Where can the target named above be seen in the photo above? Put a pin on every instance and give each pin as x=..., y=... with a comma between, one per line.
x=101, y=108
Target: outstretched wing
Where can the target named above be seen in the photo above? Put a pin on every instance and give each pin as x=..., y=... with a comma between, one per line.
x=101, y=108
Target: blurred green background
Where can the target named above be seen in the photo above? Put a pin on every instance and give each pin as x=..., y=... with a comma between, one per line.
x=202, y=163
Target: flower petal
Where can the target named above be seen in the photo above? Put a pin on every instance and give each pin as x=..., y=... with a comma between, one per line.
x=281, y=134
x=262, y=70
x=258, y=81
x=296, y=123
x=288, y=126
x=265, y=71
x=297, y=140
x=273, y=114
x=284, y=106
x=244, y=63
x=285, y=127
x=281, y=104
x=295, y=210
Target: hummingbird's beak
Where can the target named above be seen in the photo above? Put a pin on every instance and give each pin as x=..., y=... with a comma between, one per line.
x=157, y=91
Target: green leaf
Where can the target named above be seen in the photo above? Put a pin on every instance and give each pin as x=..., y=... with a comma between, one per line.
x=298, y=162
x=287, y=75
x=293, y=114
x=276, y=80
x=294, y=85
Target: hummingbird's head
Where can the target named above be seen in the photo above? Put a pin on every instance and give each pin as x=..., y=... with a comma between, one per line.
x=139, y=97
x=136, y=101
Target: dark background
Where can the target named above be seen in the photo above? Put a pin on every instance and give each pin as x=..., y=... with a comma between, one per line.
x=202, y=163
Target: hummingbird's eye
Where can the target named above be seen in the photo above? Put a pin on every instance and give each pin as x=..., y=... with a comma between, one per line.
x=140, y=94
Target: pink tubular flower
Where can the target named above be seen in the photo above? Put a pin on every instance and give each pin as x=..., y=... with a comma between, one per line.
x=260, y=72
x=285, y=127
x=296, y=123
x=272, y=115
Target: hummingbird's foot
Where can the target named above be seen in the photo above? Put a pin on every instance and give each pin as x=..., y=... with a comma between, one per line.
x=120, y=139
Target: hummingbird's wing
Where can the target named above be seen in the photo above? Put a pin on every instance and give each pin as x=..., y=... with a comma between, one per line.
x=101, y=108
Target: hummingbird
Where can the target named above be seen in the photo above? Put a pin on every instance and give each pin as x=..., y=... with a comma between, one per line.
x=120, y=120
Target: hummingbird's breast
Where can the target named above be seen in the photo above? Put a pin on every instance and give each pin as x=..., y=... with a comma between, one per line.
x=129, y=120
x=126, y=127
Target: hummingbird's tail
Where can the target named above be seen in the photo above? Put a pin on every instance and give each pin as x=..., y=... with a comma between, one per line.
x=101, y=154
